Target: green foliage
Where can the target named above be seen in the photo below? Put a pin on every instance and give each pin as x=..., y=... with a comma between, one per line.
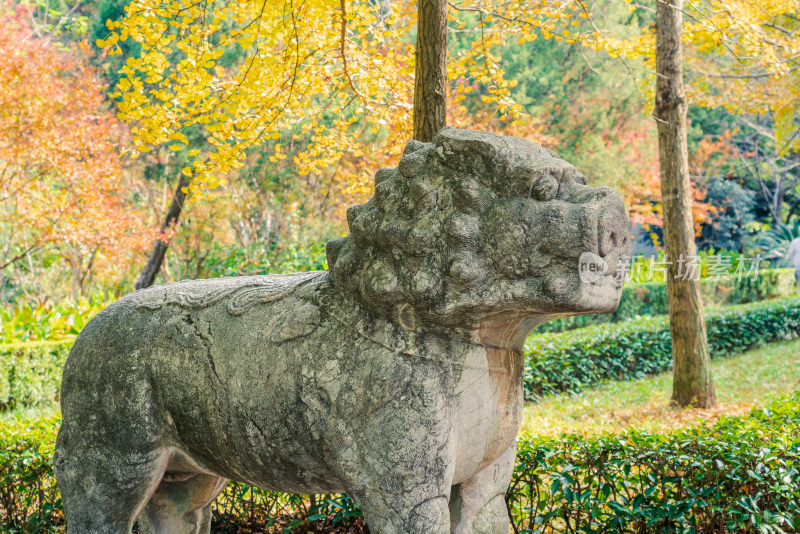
x=47, y=323
x=30, y=501
x=241, y=504
x=29, y=498
x=573, y=360
x=775, y=241
x=30, y=373
x=65, y=320
x=726, y=226
x=288, y=258
x=650, y=298
x=739, y=475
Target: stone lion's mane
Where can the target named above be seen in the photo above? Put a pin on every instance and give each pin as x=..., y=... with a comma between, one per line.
x=415, y=245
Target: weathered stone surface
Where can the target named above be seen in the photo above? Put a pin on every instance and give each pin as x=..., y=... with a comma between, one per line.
x=396, y=376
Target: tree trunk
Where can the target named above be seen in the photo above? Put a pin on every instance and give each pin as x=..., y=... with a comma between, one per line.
x=156, y=257
x=692, y=383
x=430, y=82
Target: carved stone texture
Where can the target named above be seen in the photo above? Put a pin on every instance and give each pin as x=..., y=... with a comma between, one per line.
x=395, y=377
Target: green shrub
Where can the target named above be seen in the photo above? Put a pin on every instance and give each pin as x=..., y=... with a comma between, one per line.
x=739, y=475
x=30, y=501
x=48, y=323
x=650, y=298
x=29, y=498
x=30, y=373
x=573, y=360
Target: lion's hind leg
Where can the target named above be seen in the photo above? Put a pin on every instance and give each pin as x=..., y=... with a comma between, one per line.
x=103, y=490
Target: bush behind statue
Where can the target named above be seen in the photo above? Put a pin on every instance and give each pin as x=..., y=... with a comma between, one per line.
x=30, y=373
x=574, y=360
x=741, y=474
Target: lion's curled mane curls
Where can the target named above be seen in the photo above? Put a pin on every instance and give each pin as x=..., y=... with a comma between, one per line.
x=415, y=245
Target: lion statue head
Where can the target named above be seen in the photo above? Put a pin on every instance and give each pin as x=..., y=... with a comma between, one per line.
x=475, y=227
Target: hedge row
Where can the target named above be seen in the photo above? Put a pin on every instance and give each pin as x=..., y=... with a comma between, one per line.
x=650, y=298
x=573, y=360
x=739, y=475
x=30, y=373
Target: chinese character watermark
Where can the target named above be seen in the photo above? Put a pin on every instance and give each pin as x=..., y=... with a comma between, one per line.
x=592, y=267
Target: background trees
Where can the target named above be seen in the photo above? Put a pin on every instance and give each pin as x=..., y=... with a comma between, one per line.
x=61, y=190
x=300, y=158
x=430, y=74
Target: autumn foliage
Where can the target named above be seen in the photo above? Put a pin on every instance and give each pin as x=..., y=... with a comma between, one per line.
x=60, y=167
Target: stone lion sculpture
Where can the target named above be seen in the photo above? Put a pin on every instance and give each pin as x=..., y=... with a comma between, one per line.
x=396, y=376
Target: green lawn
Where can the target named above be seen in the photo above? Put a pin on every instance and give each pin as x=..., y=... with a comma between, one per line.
x=740, y=381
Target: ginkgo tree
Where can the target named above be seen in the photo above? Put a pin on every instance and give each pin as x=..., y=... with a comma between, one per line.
x=327, y=70
x=741, y=55
x=321, y=81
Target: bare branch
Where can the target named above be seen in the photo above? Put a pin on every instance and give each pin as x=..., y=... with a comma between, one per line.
x=342, y=48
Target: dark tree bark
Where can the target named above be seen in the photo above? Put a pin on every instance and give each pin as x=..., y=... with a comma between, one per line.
x=692, y=383
x=430, y=107
x=156, y=257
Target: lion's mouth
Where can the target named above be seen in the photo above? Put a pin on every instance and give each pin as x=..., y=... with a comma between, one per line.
x=596, y=269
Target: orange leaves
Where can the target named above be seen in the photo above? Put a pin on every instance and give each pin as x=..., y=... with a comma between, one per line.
x=59, y=165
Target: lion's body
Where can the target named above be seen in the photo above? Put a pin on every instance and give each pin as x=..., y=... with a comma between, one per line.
x=396, y=376
x=298, y=393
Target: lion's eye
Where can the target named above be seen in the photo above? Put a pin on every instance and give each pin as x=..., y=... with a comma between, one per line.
x=544, y=188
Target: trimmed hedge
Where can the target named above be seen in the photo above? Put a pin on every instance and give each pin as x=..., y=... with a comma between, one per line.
x=29, y=497
x=650, y=298
x=30, y=373
x=573, y=360
x=741, y=474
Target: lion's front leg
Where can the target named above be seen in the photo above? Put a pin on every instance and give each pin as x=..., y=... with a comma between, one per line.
x=477, y=505
x=400, y=475
x=391, y=444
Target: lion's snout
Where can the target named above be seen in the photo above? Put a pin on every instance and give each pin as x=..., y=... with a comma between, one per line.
x=596, y=223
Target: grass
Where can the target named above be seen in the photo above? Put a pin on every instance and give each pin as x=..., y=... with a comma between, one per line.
x=741, y=382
